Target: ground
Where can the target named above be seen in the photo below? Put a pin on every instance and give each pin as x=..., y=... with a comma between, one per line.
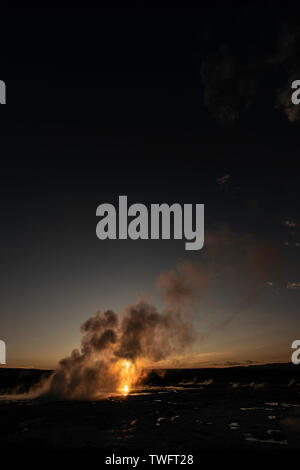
x=186, y=418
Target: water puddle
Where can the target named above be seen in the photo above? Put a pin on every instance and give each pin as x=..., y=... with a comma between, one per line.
x=174, y=417
x=234, y=426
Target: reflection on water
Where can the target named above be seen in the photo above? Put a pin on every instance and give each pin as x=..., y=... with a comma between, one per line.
x=252, y=408
x=250, y=438
x=234, y=426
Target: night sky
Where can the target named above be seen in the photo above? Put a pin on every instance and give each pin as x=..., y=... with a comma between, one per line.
x=165, y=105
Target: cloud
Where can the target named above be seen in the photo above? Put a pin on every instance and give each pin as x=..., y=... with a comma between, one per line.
x=293, y=285
x=232, y=82
x=290, y=223
x=228, y=89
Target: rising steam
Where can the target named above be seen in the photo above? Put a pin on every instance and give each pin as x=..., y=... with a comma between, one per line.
x=116, y=349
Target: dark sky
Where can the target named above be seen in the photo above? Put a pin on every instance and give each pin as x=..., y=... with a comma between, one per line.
x=165, y=105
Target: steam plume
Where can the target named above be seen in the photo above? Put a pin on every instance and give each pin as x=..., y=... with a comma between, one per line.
x=117, y=345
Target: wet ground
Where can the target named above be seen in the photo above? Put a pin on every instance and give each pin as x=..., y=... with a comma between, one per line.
x=188, y=418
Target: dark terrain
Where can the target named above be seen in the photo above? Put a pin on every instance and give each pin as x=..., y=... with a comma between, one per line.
x=180, y=411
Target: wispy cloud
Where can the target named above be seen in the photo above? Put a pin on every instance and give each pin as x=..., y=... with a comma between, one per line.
x=290, y=223
x=293, y=285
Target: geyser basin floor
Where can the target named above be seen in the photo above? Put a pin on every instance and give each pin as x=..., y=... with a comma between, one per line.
x=186, y=419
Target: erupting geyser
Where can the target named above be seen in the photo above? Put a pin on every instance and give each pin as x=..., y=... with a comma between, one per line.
x=115, y=351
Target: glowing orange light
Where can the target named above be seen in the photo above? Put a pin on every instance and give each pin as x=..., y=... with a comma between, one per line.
x=128, y=374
